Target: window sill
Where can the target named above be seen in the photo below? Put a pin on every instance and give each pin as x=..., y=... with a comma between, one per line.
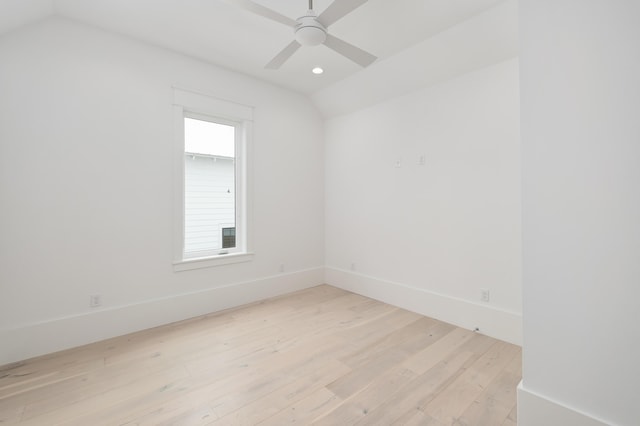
x=208, y=262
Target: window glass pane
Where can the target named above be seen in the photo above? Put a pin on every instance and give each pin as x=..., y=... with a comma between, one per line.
x=228, y=237
x=205, y=137
x=209, y=186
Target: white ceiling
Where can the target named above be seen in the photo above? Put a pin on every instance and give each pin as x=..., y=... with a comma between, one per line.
x=221, y=33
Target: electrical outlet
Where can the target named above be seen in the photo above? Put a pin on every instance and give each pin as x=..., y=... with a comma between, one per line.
x=422, y=160
x=353, y=266
x=282, y=267
x=485, y=295
x=95, y=300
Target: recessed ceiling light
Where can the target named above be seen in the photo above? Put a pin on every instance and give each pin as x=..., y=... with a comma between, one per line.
x=317, y=70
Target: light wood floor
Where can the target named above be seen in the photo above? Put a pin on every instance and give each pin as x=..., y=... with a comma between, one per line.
x=320, y=356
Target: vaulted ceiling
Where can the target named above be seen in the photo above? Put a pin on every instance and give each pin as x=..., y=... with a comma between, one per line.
x=416, y=41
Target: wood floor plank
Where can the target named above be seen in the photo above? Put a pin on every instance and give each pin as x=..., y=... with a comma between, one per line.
x=386, y=356
x=512, y=418
x=454, y=400
x=281, y=338
x=417, y=418
x=10, y=414
x=495, y=403
x=424, y=360
x=110, y=399
x=306, y=410
x=274, y=402
x=419, y=391
x=358, y=405
x=422, y=329
x=320, y=355
x=91, y=384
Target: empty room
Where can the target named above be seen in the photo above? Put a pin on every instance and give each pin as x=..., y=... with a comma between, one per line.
x=331, y=212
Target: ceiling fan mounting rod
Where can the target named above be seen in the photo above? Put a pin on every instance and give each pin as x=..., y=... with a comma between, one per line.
x=310, y=4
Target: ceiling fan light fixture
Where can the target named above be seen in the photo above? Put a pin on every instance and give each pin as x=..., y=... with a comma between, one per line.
x=309, y=32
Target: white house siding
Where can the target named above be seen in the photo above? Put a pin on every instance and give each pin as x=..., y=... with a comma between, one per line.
x=209, y=201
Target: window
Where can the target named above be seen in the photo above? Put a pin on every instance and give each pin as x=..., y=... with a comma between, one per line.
x=209, y=185
x=212, y=141
x=228, y=237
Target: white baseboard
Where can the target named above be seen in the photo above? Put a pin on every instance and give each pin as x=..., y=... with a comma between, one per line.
x=497, y=323
x=536, y=410
x=27, y=341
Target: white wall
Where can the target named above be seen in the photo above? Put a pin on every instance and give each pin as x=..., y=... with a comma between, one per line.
x=429, y=237
x=71, y=225
x=580, y=68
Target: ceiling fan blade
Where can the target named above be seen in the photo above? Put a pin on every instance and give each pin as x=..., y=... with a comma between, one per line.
x=282, y=57
x=263, y=11
x=337, y=10
x=350, y=51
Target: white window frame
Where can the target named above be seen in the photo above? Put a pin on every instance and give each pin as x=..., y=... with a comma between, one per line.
x=188, y=104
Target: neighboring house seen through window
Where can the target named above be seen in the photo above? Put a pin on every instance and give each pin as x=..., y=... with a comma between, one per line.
x=209, y=186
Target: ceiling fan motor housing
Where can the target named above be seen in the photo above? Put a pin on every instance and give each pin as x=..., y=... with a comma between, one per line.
x=308, y=31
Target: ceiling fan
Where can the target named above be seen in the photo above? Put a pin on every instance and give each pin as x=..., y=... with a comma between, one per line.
x=311, y=30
